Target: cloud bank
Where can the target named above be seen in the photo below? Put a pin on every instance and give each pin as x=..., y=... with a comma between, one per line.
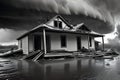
x=99, y=15
x=28, y=12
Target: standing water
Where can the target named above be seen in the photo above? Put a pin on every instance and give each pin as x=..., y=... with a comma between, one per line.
x=69, y=69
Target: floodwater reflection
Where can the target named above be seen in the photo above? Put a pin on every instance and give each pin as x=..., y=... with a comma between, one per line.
x=69, y=69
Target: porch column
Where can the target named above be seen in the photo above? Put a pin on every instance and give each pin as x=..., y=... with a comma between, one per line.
x=103, y=42
x=44, y=41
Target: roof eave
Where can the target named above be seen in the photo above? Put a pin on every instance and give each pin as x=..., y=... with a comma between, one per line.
x=67, y=31
x=27, y=33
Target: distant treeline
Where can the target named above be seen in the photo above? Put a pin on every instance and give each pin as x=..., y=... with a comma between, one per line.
x=7, y=48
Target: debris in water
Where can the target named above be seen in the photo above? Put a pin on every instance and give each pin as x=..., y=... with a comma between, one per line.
x=1, y=65
x=107, y=64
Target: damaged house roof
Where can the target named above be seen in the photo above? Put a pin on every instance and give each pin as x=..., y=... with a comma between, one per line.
x=78, y=29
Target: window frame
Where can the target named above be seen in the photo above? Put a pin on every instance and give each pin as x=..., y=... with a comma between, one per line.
x=58, y=24
x=55, y=23
x=63, y=40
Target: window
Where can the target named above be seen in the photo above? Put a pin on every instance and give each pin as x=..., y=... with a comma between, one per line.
x=58, y=24
x=55, y=23
x=90, y=41
x=20, y=42
x=63, y=41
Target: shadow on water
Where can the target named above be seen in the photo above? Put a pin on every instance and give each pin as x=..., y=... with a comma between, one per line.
x=70, y=69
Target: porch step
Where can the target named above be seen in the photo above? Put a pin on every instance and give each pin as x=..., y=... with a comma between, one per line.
x=31, y=55
x=38, y=56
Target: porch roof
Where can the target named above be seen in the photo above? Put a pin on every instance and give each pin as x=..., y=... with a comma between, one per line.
x=51, y=29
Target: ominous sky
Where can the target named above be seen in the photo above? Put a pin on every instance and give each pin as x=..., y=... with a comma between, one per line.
x=17, y=16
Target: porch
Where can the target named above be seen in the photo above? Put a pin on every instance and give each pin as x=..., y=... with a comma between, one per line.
x=37, y=55
x=77, y=42
x=47, y=41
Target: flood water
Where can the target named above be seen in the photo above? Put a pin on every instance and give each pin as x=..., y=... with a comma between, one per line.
x=69, y=69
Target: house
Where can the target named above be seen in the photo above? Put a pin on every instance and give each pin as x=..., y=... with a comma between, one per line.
x=58, y=34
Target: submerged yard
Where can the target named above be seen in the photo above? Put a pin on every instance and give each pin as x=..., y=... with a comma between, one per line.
x=61, y=69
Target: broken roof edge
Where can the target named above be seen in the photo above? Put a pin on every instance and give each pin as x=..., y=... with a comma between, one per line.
x=59, y=30
x=93, y=32
x=78, y=26
x=28, y=32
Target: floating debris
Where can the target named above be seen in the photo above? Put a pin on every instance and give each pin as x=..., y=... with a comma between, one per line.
x=1, y=65
x=108, y=64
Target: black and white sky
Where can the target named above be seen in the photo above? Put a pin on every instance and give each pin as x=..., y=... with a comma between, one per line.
x=18, y=16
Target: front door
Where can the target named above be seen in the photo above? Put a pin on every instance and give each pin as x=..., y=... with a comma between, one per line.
x=48, y=44
x=78, y=43
x=37, y=42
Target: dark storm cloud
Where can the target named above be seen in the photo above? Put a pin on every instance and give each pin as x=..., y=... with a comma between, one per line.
x=108, y=7
x=21, y=23
x=99, y=15
x=58, y=6
x=16, y=14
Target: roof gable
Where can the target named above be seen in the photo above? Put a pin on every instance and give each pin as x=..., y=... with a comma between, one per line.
x=59, y=22
x=82, y=27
